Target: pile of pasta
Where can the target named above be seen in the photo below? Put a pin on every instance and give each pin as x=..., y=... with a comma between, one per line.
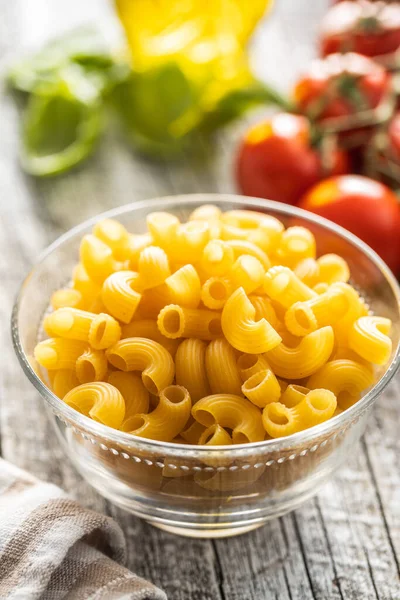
x=226, y=329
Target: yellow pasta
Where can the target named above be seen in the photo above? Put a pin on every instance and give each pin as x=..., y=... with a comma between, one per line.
x=369, y=337
x=81, y=282
x=242, y=331
x=264, y=309
x=326, y=309
x=97, y=258
x=120, y=294
x=163, y=228
x=147, y=328
x=347, y=379
x=167, y=420
x=190, y=367
x=153, y=267
x=232, y=412
x=100, y=401
x=262, y=388
x=247, y=272
x=250, y=364
x=114, y=234
x=99, y=330
x=147, y=356
x=183, y=287
x=134, y=393
x=296, y=244
x=268, y=234
x=306, y=358
x=222, y=370
x=64, y=381
x=333, y=268
x=66, y=297
x=175, y=321
x=215, y=435
x=191, y=434
x=58, y=353
x=92, y=365
x=241, y=247
x=217, y=258
x=283, y=286
x=215, y=291
x=135, y=246
x=222, y=330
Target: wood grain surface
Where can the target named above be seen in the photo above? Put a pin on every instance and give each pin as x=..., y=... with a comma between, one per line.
x=345, y=543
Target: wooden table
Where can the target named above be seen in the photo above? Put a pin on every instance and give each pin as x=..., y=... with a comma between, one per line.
x=344, y=544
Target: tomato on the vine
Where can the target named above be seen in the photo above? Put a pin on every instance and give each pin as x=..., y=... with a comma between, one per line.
x=365, y=207
x=368, y=28
x=278, y=161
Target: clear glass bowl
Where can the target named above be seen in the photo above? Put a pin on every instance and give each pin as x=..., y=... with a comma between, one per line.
x=198, y=490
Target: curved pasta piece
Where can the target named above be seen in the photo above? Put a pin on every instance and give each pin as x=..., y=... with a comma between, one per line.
x=241, y=247
x=114, y=234
x=306, y=358
x=67, y=297
x=282, y=285
x=100, y=401
x=120, y=295
x=206, y=212
x=81, y=282
x=296, y=244
x=136, y=245
x=369, y=337
x=250, y=364
x=153, y=266
x=356, y=308
x=190, y=367
x=215, y=291
x=314, y=408
x=184, y=287
x=217, y=258
x=347, y=379
x=162, y=227
x=264, y=309
x=100, y=330
x=222, y=371
x=190, y=241
x=215, y=435
x=92, y=365
x=294, y=394
x=147, y=328
x=141, y=354
x=242, y=331
x=64, y=381
x=268, y=234
x=167, y=420
x=326, y=309
x=192, y=432
x=97, y=258
x=308, y=271
x=232, y=412
x=333, y=268
x=58, y=353
x=244, y=219
x=134, y=393
x=175, y=321
x=262, y=388
x=247, y=272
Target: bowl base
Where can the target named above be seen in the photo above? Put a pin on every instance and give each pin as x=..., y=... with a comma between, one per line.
x=206, y=533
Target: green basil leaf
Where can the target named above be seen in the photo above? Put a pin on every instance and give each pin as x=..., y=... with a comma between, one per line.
x=153, y=107
x=62, y=123
x=84, y=46
x=239, y=101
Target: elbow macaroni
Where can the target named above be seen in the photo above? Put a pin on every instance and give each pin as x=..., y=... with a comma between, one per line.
x=226, y=329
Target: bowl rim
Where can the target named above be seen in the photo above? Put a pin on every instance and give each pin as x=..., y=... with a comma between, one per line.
x=190, y=450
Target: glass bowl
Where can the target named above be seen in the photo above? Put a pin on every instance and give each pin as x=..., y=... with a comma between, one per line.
x=199, y=490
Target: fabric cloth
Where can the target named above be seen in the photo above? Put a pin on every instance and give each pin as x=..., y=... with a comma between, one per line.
x=52, y=548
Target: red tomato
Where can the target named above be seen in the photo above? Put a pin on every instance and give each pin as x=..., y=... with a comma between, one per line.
x=365, y=207
x=369, y=28
x=277, y=161
x=341, y=85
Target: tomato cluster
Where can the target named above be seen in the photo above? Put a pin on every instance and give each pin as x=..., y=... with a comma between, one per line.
x=344, y=125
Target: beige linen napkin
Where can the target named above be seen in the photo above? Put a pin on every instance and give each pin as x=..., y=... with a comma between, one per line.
x=52, y=548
